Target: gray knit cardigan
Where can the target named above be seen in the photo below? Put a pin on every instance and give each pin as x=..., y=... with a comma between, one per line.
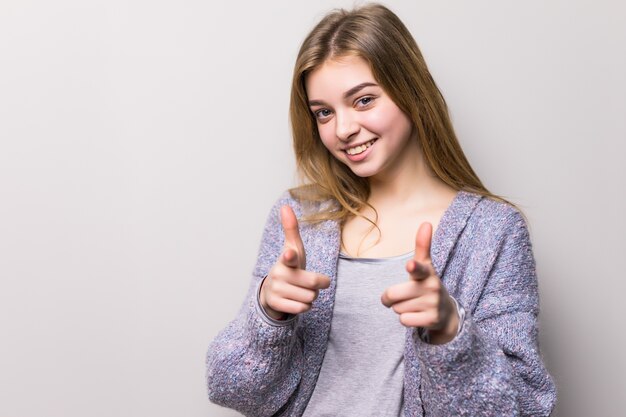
x=481, y=250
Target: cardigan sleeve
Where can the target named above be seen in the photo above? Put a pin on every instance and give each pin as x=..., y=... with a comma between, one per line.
x=253, y=366
x=493, y=367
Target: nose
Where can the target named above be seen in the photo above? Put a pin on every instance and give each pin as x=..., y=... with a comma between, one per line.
x=346, y=126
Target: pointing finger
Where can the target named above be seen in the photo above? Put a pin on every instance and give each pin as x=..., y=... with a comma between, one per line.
x=398, y=292
x=290, y=226
x=292, y=236
x=422, y=242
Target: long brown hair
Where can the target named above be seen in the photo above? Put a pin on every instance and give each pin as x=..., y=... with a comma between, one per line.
x=375, y=34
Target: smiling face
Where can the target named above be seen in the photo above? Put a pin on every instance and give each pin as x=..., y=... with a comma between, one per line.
x=357, y=121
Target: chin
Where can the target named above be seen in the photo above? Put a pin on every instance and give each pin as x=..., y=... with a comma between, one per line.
x=363, y=172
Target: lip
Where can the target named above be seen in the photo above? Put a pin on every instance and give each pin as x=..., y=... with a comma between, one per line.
x=362, y=155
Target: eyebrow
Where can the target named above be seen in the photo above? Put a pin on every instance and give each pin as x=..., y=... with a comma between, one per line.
x=347, y=94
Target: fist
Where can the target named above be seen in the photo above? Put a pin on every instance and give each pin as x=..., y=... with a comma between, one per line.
x=288, y=287
x=423, y=300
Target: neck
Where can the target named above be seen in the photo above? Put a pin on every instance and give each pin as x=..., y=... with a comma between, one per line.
x=409, y=181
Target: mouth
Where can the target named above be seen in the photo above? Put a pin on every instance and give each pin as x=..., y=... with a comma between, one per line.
x=356, y=150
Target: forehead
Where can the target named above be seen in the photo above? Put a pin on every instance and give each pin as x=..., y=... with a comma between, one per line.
x=336, y=76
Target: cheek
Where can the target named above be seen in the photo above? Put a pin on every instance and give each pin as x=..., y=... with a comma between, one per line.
x=384, y=120
x=375, y=121
x=395, y=123
x=326, y=136
x=402, y=127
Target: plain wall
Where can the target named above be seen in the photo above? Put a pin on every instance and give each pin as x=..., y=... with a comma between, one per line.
x=142, y=144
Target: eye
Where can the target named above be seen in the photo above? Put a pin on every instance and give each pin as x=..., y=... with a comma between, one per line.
x=322, y=114
x=364, y=101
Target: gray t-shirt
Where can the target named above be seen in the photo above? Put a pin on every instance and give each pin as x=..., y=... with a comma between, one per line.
x=363, y=369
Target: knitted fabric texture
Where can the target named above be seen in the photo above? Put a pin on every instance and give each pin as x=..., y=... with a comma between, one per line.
x=482, y=252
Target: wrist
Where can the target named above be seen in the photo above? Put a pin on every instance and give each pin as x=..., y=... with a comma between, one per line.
x=276, y=315
x=450, y=328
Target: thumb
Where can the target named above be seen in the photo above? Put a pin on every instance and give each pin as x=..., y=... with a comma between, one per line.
x=293, y=255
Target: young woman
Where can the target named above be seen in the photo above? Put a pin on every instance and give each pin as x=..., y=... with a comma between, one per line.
x=393, y=282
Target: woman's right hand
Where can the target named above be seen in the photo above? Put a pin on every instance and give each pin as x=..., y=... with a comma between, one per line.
x=288, y=287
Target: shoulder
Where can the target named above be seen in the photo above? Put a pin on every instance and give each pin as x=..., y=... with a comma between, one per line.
x=495, y=219
x=497, y=211
x=496, y=243
x=321, y=238
x=302, y=208
x=304, y=202
x=287, y=198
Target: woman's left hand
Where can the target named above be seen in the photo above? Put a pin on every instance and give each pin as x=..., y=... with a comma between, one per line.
x=423, y=300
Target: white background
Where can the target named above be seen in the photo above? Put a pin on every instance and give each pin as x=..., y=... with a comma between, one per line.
x=142, y=144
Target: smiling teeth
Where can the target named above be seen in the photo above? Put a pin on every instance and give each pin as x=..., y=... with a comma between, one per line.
x=359, y=149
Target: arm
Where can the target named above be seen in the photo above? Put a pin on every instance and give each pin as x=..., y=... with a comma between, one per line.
x=253, y=365
x=493, y=366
